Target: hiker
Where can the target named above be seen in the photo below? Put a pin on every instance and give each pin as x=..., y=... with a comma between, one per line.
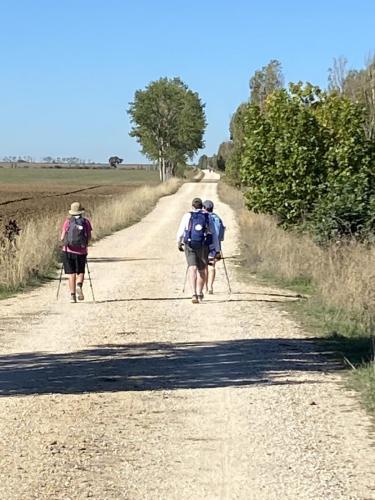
x=75, y=235
x=194, y=236
x=213, y=252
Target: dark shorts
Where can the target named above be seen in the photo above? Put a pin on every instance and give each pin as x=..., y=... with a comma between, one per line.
x=73, y=263
x=197, y=256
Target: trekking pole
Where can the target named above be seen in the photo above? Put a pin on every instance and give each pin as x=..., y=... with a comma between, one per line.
x=88, y=272
x=187, y=269
x=226, y=274
x=58, y=288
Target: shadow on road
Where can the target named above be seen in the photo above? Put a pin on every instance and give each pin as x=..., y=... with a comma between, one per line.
x=205, y=303
x=163, y=366
x=103, y=260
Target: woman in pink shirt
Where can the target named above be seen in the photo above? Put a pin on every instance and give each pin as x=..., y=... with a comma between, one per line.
x=76, y=234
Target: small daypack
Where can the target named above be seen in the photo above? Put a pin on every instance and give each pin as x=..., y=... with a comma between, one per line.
x=219, y=225
x=76, y=234
x=196, y=234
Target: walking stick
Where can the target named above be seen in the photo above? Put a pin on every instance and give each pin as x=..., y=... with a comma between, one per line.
x=187, y=269
x=226, y=273
x=58, y=288
x=88, y=272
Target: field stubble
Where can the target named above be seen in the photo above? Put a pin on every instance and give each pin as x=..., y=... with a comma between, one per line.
x=27, y=194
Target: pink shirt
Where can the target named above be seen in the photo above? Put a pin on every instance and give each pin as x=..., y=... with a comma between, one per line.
x=72, y=249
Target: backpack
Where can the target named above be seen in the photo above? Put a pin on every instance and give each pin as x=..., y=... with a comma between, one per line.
x=76, y=234
x=219, y=226
x=196, y=234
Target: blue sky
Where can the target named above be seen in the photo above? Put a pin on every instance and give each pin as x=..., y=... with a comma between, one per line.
x=70, y=68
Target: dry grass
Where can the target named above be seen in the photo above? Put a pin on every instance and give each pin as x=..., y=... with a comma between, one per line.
x=36, y=249
x=343, y=276
x=340, y=280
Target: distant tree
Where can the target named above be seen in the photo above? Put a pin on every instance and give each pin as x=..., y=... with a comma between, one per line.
x=114, y=161
x=265, y=81
x=360, y=87
x=237, y=135
x=168, y=122
x=337, y=74
x=203, y=162
x=212, y=162
x=223, y=154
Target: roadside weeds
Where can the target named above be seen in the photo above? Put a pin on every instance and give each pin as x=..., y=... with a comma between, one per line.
x=32, y=257
x=336, y=283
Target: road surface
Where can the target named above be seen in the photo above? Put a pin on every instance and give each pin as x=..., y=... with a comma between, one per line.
x=144, y=395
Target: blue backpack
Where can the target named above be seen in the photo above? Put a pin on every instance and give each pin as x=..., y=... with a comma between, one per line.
x=219, y=226
x=196, y=234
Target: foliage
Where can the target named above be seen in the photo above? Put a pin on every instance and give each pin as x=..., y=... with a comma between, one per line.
x=282, y=162
x=114, y=161
x=223, y=154
x=305, y=158
x=203, y=162
x=237, y=134
x=265, y=81
x=212, y=162
x=168, y=121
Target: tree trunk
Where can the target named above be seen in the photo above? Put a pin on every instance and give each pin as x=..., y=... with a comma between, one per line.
x=160, y=165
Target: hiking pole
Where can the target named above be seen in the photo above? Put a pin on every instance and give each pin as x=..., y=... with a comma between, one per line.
x=226, y=274
x=187, y=269
x=88, y=272
x=58, y=288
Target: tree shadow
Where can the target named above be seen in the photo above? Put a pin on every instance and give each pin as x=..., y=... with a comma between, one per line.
x=204, y=303
x=164, y=366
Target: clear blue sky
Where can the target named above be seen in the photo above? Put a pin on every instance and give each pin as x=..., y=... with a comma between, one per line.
x=70, y=67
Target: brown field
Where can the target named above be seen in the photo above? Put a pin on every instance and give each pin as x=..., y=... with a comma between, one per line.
x=27, y=194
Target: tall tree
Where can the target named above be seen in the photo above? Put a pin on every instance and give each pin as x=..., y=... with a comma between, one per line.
x=337, y=74
x=360, y=87
x=223, y=154
x=168, y=122
x=265, y=81
x=203, y=162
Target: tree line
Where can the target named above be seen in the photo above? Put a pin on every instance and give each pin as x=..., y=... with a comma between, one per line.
x=306, y=155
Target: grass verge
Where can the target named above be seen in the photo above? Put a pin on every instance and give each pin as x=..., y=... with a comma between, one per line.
x=337, y=283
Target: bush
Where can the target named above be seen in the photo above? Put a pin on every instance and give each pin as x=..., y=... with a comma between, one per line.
x=305, y=159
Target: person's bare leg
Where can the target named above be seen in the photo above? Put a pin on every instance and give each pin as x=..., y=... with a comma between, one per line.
x=201, y=280
x=192, y=272
x=72, y=283
x=80, y=278
x=211, y=277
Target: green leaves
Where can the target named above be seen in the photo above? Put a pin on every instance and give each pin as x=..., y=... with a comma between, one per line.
x=168, y=121
x=305, y=158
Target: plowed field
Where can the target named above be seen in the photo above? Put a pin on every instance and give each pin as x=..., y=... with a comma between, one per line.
x=29, y=193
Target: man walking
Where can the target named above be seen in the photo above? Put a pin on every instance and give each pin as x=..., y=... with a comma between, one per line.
x=214, y=252
x=194, y=236
x=75, y=235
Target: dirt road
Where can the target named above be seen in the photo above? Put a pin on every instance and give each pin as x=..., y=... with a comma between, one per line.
x=144, y=395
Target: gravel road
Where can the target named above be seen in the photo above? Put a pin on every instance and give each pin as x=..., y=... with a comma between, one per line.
x=144, y=395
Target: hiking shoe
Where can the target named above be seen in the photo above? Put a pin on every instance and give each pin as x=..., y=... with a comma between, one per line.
x=200, y=297
x=80, y=295
x=194, y=299
x=210, y=292
x=73, y=298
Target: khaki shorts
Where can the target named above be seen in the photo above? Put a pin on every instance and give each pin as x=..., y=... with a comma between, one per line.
x=197, y=256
